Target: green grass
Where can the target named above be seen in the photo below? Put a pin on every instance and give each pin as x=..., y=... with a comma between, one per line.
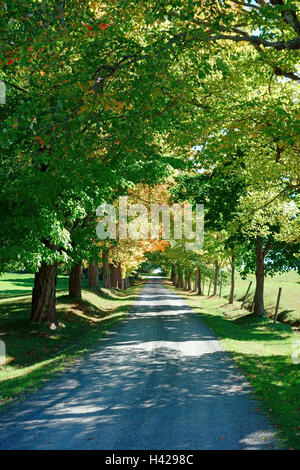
x=16, y=284
x=263, y=351
x=34, y=353
x=289, y=307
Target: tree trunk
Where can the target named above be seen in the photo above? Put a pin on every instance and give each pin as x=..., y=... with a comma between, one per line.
x=216, y=277
x=43, y=295
x=114, y=276
x=172, y=273
x=119, y=274
x=199, y=291
x=93, y=276
x=196, y=281
x=180, y=280
x=189, y=281
x=75, y=281
x=106, y=270
x=231, y=295
x=259, y=308
x=188, y=286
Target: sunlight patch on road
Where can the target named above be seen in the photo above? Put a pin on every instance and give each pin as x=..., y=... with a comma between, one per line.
x=253, y=441
x=181, y=348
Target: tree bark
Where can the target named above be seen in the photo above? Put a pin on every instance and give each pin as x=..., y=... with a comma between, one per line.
x=119, y=274
x=180, y=280
x=173, y=273
x=93, y=275
x=231, y=295
x=189, y=281
x=176, y=277
x=259, y=308
x=195, y=281
x=185, y=282
x=199, y=290
x=106, y=270
x=43, y=295
x=188, y=285
x=114, y=276
x=75, y=281
x=216, y=277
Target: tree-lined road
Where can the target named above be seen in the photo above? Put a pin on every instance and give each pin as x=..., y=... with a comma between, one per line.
x=159, y=380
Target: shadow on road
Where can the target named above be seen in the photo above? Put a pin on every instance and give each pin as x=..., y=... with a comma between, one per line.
x=160, y=380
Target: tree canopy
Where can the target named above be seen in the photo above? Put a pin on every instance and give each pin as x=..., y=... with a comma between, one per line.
x=103, y=97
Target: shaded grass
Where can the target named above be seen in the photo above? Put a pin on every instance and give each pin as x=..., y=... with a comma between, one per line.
x=34, y=353
x=263, y=351
x=17, y=284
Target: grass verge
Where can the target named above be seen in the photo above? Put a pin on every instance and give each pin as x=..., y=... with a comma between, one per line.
x=289, y=307
x=21, y=284
x=34, y=353
x=266, y=353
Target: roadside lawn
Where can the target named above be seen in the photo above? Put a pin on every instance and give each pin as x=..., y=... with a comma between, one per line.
x=289, y=307
x=34, y=353
x=16, y=284
x=268, y=355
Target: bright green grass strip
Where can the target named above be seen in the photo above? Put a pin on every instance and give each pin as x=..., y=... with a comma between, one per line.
x=19, y=284
x=289, y=306
x=35, y=353
x=264, y=353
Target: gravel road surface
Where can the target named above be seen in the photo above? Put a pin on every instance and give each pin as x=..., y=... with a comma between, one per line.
x=158, y=380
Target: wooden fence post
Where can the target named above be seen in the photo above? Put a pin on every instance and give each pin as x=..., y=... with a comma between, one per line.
x=245, y=298
x=277, y=304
